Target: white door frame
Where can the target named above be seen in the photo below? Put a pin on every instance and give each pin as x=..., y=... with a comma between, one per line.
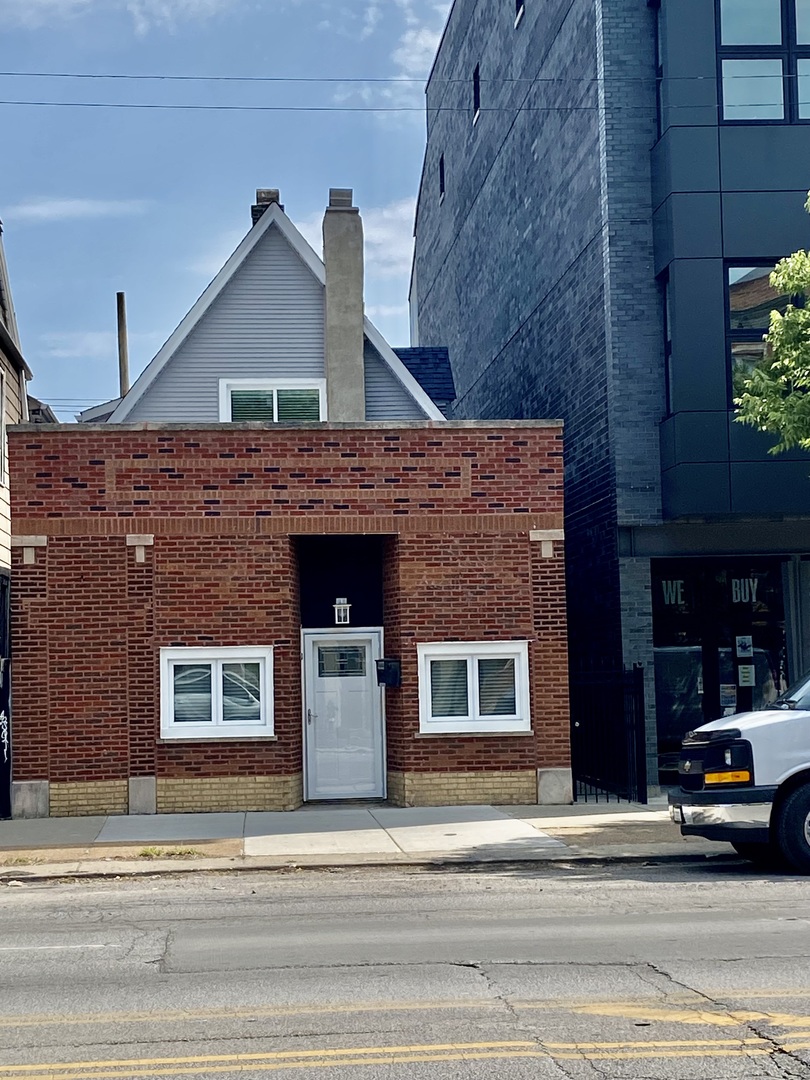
x=362, y=633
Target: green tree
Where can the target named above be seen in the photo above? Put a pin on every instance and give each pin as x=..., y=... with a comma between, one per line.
x=774, y=396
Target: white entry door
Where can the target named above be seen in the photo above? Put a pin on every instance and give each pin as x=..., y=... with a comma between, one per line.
x=343, y=715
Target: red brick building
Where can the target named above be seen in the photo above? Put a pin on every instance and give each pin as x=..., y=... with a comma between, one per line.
x=180, y=600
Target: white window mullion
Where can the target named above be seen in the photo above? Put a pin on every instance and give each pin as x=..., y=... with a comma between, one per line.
x=275, y=404
x=472, y=684
x=216, y=692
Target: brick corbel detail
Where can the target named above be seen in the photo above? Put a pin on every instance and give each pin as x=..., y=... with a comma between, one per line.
x=546, y=538
x=29, y=544
x=140, y=541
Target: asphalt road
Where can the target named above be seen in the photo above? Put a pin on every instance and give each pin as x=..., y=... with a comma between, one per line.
x=542, y=972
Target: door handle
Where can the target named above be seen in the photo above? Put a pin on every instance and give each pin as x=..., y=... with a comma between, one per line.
x=311, y=716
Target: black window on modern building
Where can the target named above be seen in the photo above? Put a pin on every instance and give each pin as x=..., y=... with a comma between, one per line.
x=441, y=177
x=764, y=57
x=476, y=92
x=750, y=300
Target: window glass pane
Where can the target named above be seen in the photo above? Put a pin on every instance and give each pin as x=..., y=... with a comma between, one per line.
x=496, y=687
x=448, y=688
x=334, y=660
x=191, y=687
x=745, y=355
x=751, y=22
x=804, y=88
x=803, y=22
x=752, y=90
x=241, y=693
x=751, y=298
x=251, y=405
x=298, y=405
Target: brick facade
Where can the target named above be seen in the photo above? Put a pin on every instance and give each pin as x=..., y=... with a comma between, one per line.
x=219, y=508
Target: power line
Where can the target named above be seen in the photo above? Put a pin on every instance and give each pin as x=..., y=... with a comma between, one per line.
x=392, y=79
x=361, y=108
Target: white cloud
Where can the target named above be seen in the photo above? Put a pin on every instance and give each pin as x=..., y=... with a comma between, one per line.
x=420, y=31
x=415, y=51
x=386, y=311
x=45, y=209
x=148, y=13
x=210, y=261
x=371, y=17
x=145, y=14
x=389, y=237
x=31, y=14
x=388, y=233
x=92, y=344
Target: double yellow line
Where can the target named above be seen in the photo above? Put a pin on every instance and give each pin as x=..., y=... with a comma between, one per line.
x=277, y=1061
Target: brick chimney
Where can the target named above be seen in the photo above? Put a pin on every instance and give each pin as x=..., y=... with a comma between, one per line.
x=343, y=261
x=264, y=197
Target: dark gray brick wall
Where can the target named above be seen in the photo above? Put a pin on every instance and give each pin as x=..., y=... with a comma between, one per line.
x=536, y=269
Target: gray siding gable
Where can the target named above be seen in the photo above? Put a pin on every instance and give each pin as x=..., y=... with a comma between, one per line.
x=266, y=323
x=386, y=397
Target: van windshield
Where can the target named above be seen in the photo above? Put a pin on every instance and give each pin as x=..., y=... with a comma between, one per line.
x=795, y=697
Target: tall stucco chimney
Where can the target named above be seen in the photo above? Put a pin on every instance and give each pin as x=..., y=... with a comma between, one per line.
x=343, y=260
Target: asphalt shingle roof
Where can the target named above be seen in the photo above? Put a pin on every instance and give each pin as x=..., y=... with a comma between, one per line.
x=431, y=369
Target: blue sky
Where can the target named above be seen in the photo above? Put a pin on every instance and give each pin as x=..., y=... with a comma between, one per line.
x=152, y=201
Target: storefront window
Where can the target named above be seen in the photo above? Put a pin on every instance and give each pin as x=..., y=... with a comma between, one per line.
x=719, y=643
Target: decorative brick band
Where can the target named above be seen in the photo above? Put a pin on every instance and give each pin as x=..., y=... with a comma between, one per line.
x=285, y=525
x=512, y=788
x=87, y=799
x=226, y=794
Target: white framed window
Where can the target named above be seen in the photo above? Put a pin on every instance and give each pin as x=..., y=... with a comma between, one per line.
x=272, y=401
x=474, y=686
x=211, y=693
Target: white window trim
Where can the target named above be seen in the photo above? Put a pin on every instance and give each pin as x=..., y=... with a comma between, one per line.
x=471, y=651
x=3, y=431
x=227, y=385
x=216, y=730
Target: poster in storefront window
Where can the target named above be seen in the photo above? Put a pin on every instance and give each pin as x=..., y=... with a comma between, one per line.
x=745, y=646
x=746, y=675
x=728, y=696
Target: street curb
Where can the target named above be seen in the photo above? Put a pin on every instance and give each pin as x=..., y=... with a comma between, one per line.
x=437, y=863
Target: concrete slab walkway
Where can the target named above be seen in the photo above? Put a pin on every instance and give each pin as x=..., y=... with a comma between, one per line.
x=336, y=835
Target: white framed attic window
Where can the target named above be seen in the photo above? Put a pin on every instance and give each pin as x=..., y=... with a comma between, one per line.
x=272, y=401
x=210, y=693
x=474, y=686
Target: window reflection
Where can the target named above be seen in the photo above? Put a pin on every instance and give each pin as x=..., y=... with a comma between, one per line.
x=751, y=22
x=803, y=22
x=803, y=67
x=752, y=90
x=751, y=299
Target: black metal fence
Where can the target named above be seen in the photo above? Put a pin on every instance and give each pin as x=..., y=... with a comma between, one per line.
x=608, y=739
x=5, y=701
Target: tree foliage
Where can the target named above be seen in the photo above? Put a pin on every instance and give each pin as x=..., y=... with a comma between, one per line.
x=775, y=396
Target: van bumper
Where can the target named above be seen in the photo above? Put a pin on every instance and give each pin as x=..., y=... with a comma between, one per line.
x=741, y=816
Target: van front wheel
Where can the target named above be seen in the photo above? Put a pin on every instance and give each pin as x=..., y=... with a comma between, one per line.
x=793, y=829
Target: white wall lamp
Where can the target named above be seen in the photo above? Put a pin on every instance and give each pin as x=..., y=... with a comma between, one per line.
x=341, y=606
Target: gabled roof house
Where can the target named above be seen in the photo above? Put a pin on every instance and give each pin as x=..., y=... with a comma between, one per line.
x=256, y=340
x=272, y=571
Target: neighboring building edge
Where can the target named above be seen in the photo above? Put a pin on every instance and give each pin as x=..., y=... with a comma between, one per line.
x=629, y=189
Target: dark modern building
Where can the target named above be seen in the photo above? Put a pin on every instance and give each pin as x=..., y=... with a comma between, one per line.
x=607, y=184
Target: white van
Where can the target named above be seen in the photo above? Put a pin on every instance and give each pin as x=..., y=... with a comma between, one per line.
x=745, y=779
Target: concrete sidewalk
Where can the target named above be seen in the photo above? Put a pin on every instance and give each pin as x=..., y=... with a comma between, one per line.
x=342, y=835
